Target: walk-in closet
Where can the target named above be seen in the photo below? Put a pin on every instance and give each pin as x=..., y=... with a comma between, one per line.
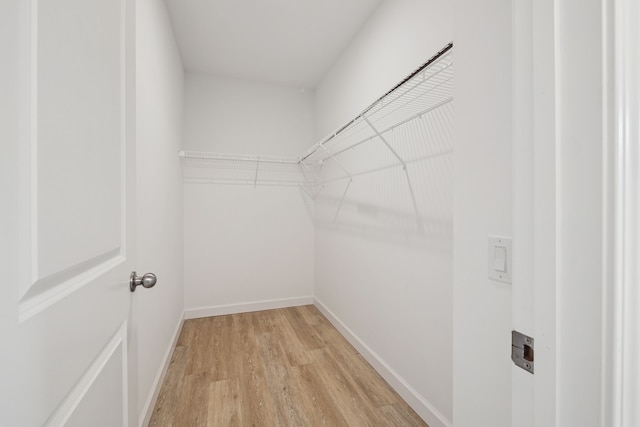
x=319, y=213
x=365, y=210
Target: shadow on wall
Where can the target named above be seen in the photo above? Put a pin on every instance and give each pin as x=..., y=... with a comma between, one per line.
x=369, y=192
x=378, y=223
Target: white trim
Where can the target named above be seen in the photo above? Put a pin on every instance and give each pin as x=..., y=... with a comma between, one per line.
x=68, y=281
x=33, y=144
x=523, y=200
x=246, y=307
x=621, y=294
x=147, y=410
x=418, y=403
x=610, y=294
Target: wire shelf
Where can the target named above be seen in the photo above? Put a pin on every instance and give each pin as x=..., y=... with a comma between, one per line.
x=425, y=93
x=218, y=168
x=425, y=90
x=201, y=155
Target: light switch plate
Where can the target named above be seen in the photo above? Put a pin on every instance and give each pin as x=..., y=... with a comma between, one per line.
x=501, y=246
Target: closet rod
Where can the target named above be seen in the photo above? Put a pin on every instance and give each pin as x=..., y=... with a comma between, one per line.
x=366, y=110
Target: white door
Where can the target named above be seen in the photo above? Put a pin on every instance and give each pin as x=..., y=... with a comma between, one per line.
x=67, y=213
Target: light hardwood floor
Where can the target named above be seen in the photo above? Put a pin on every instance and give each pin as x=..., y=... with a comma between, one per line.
x=286, y=367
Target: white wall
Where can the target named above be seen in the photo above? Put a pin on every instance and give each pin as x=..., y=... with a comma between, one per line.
x=158, y=311
x=482, y=206
x=245, y=247
x=396, y=39
x=237, y=116
x=389, y=285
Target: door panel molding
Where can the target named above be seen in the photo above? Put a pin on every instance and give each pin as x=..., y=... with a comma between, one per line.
x=116, y=347
x=27, y=155
x=48, y=291
x=85, y=261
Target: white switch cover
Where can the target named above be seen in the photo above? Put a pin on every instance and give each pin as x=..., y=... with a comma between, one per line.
x=499, y=262
x=500, y=258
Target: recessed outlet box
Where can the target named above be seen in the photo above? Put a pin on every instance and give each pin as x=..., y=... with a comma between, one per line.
x=499, y=258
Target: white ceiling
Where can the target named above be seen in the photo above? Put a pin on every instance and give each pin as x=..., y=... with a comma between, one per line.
x=289, y=42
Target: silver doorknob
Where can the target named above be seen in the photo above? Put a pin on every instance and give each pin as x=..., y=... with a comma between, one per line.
x=147, y=281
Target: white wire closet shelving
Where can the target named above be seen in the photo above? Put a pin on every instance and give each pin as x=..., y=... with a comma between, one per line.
x=243, y=169
x=426, y=90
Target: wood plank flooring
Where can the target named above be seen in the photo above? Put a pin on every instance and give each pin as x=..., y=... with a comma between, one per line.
x=286, y=367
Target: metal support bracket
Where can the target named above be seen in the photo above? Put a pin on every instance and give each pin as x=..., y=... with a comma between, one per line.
x=406, y=173
x=318, y=180
x=336, y=160
x=335, y=218
x=310, y=184
x=346, y=188
x=379, y=135
x=255, y=179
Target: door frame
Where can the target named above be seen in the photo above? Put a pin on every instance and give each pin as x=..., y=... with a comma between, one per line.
x=621, y=294
x=536, y=147
x=535, y=207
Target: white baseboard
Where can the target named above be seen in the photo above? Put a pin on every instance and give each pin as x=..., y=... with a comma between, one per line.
x=220, y=310
x=147, y=410
x=423, y=408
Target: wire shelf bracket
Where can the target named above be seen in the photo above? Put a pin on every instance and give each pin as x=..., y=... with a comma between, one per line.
x=406, y=174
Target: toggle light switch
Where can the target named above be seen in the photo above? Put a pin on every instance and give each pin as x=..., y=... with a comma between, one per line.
x=499, y=258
